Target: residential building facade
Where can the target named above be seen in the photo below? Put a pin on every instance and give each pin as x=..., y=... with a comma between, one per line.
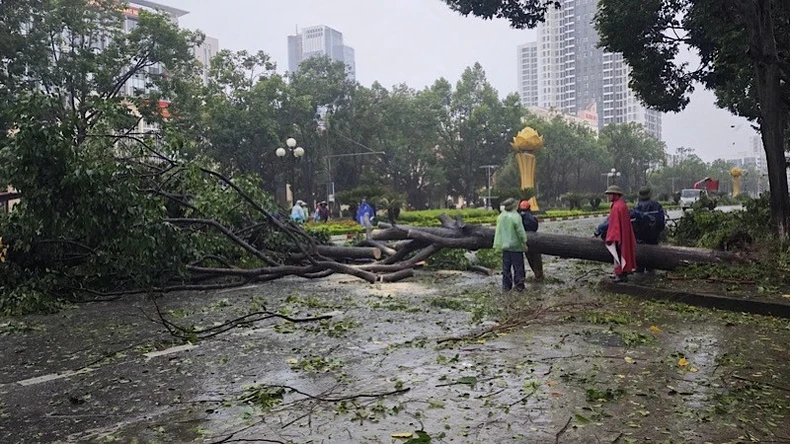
x=320, y=41
x=585, y=118
x=573, y=73
x=528, y=74
x=203, y=54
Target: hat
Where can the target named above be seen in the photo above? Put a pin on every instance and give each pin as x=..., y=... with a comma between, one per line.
x=523, y=205
x=644, y=193
x=509, y=204
x=614, y=189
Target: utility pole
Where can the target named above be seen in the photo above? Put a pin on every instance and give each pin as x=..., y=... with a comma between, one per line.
x=488, y=184
x=673, y=184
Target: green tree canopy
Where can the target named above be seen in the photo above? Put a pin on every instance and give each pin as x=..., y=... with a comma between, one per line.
x=741, y=48
x=520, y=13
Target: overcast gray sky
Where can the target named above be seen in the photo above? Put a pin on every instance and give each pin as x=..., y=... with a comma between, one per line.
x=418, y=41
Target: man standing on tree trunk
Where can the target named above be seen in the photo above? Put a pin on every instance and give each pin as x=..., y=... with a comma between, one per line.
x=621, y=235
x=511, y=239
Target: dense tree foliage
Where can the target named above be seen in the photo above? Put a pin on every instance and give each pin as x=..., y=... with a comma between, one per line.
x=105, y=207
x=575, y=159
x=741, y=45
x=520, y=13
x=136, y=173
x=420, y=143
x=742, y=48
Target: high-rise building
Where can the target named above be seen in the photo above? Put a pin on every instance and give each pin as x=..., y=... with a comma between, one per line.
x=134, y=7
x=528, y=74
x=320, y=41
x=574, y=74
x=759, y=153
x=203, y=54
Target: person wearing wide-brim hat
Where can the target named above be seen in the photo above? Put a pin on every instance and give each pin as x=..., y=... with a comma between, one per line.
x=621, y=234
x=510, y=239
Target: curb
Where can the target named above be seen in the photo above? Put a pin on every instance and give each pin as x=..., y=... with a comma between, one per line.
x=754, y=306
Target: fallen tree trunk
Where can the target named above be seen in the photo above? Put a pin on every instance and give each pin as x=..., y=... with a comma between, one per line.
x=477, y=237
x=337, y=252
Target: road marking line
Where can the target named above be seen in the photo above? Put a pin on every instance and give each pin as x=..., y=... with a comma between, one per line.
x=169, y=351
x=51, y=377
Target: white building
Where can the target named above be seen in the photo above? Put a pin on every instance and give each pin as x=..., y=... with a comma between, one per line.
x=320, y=41
x=585, y=118
x=573, y=73
x=759, y=153
x=204, y=53
x=528, y=74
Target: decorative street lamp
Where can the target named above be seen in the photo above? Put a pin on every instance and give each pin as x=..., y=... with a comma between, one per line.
x=297, y=151
x=611, y=174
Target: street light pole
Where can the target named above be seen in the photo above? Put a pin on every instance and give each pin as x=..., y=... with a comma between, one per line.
x=611, y=174
x=488, y=184
x=297, y=152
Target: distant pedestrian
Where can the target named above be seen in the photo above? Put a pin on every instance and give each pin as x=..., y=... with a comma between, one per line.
x=651, y=218
x=510, y=239
x=531, y=223
x=365, y=208
x=321, y=212
x=298, y=213
x=620, y=235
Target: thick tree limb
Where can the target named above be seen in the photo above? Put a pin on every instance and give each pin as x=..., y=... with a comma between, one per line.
x=381, y=246
x=337, y=252
x=229, y=234
x=474, y=237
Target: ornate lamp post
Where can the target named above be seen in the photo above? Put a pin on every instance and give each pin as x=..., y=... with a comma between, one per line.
x=612, y=174
x=297, y=152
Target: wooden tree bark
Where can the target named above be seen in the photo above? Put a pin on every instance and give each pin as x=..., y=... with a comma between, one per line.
x=571, y=247
x=758, y=19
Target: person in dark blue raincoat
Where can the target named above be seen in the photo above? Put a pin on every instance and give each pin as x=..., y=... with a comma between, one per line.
x=364, y=208
x=531, y=224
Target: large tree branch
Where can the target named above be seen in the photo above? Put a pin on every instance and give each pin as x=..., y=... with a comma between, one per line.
x=229, y=234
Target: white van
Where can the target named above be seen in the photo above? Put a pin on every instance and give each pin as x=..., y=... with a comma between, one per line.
x=689, y=196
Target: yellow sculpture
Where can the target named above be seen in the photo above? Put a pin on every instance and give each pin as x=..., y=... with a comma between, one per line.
x=526, y=142
x=736, y=174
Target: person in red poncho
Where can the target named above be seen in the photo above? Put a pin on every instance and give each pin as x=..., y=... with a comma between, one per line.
x=621, y=234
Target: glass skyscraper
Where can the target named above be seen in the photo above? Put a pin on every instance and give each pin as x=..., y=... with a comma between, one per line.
x=320, y=41
x=565, y=70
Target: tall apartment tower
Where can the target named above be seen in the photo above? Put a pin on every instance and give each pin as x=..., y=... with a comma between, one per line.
x=204, y=53
x=320, y=41
x=528, y=74
x=574, y=75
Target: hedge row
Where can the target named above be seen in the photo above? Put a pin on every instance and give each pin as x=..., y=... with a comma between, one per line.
x=430, y=218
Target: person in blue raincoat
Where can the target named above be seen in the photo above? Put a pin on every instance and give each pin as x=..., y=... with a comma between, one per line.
x=298, y=213
x=364, y=208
